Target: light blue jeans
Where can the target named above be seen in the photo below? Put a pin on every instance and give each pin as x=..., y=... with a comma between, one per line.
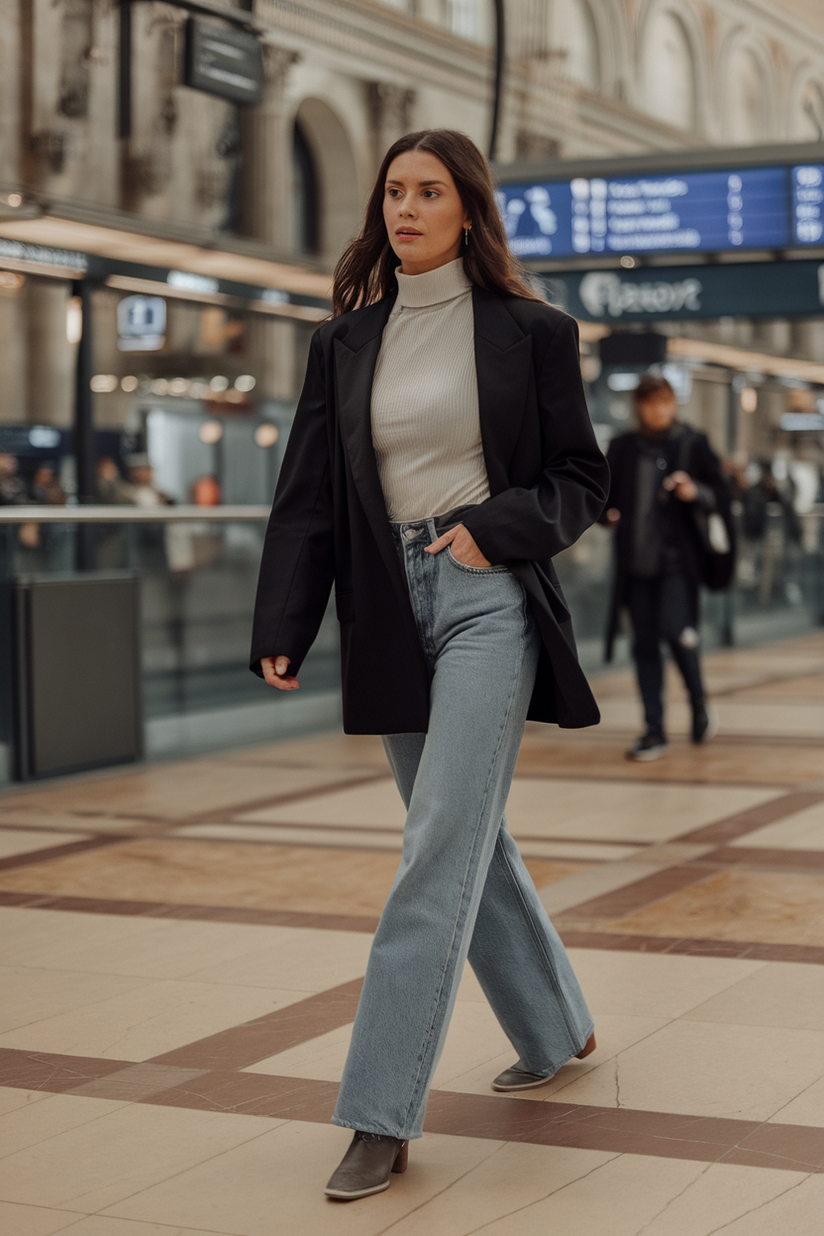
x=461, y=888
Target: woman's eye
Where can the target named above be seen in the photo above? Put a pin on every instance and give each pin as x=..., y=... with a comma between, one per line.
x=430, y=193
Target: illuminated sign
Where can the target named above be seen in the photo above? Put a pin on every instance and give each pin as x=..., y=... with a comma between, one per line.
x=141, y=323
x=719, y=289
x=699, y=212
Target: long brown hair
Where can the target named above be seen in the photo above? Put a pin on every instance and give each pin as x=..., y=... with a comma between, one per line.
x=366, y=272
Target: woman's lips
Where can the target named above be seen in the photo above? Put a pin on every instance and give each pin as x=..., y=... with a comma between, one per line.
x=407, y=233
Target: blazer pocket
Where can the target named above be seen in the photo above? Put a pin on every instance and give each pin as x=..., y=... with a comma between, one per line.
x=345, y=606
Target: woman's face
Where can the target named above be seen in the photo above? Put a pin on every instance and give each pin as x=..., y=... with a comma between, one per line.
x=423, y=212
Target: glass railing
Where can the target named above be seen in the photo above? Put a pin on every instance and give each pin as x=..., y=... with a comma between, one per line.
x=778, y=590
x=198, y=569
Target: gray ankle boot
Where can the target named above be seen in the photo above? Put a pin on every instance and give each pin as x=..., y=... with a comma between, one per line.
x=367, y=1165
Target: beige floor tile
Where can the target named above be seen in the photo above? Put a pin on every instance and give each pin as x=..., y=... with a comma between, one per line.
x=720, y=1195
x=174, y=791
x=220, y=873
x=378, y=805
x=619, y=1198
x=107, y=1225
x=802, y=688
x=515, y=1176
x=131, y=1149
x=790, y=720
x=654, y=985
x=778, y=994
x=17, y=1220
x=538, y=808
x=55, y=1115
x=802, y=831
x=775, y=908
x=327, y=751
x=613, y=1034
x=805, y=1108
x=797, y=1212
x=39, y=937
x=321, y=1058
x=296, y=958
x=275, y=1184
x=12, y=1100
x=14, y=841
x=180, y=949
x=30, y=994
x=68, y=822
x=707, y=1069
x=600, y=756
x=146, y=1022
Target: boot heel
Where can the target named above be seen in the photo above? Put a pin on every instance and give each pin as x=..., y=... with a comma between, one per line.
x=588, y=1048
x=402, y=1160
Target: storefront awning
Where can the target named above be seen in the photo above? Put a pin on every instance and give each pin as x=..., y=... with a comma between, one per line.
x=120, y=245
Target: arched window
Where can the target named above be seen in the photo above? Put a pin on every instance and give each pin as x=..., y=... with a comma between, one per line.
x=572, y=33
x=668, y=72
x=305, y=212
x=745, y=116
x=468, y=18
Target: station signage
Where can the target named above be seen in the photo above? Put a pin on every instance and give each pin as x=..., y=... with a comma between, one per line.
x=228, y=63
x=654, y=293
x=698, y=212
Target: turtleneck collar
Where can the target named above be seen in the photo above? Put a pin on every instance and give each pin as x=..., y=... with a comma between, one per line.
x=444, y=283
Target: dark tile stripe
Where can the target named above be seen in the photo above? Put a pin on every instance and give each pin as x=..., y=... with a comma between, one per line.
x=748, y=821
x=634, y=896
x=209, y=914
x=758, y=856
x=247, y=1044
x=33, y=857
x=668, y=1135
x=738, y=949
x=37, y=1070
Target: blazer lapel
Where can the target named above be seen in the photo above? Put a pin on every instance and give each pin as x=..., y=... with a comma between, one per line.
x=503, y=356
x=355, y=360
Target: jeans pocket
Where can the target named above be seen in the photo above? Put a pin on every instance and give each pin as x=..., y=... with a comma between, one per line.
x=471, y=570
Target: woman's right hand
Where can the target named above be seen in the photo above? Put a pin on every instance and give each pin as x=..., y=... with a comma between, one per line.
x=274, y=672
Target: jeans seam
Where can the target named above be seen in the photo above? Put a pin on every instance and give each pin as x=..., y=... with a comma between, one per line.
x=509, y=876
x=461, y=905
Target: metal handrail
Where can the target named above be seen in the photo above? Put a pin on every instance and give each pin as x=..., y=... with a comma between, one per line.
x=132, y=514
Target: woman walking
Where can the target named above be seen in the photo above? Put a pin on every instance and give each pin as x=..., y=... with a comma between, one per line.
x=441, y=455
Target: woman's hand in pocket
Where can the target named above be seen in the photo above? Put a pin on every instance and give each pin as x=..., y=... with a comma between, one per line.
x=463, y=547
x=274, y=672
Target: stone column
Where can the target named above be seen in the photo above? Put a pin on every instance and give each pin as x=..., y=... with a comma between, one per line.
x=267, y=154
x=390, y=110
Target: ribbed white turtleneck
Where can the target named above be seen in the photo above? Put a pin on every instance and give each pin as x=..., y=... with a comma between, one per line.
x=425, y=425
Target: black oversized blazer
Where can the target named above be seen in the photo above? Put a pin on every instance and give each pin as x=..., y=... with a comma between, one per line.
x=548, y=483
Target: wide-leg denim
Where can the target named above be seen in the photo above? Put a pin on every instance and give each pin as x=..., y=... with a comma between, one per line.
x=461, y=887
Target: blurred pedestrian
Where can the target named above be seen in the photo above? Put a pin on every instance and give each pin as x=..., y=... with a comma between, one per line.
x=662, y=474
x=13, y=491
x=46, y=489
x=441, y=454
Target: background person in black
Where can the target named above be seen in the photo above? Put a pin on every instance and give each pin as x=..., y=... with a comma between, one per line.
x=659, y=472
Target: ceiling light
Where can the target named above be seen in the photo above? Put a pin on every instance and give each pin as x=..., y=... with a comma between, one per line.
x=210, y=432
x=267, y=434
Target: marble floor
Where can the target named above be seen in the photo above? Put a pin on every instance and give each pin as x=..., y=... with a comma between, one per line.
x=183, y=946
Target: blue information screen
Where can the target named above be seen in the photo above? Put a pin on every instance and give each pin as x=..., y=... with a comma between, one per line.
x=747, y=208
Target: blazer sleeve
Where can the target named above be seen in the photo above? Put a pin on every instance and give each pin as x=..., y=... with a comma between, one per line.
x=298, y=565
x=537, y=523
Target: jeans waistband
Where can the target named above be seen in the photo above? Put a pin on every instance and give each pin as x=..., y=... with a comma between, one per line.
x=441, y=523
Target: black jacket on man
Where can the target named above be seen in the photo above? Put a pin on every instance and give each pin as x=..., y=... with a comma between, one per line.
x=548, y=482
x=683, y=448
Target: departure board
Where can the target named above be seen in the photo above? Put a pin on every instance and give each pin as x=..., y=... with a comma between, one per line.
x=745, y=208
